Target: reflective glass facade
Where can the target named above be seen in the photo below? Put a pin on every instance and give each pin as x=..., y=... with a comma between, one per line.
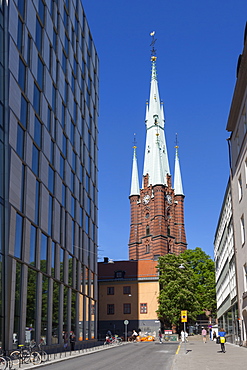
x=49, y=206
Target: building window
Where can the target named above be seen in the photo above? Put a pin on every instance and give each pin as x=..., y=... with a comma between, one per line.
x=51, y=179
x=143, y=308
x=110, y=309
x=36, y=99
x=40, y=75
x=126, y=290
x=62, y=166
x=43, y=252
x=33, y=239
x=110, y=290
x=147, y=230
x=245, y=169
x=245, y=277
x=35, y=160
x=147, y=248
x=24, y=110
x=126, y=308
x=38, y=38
x=37, y=196
x=240, y=188
x=119, y=274
x=242, y=229
x=18, y=235
x=37, y=132
x=22, y=75
x=20, y=141
x=19, y=35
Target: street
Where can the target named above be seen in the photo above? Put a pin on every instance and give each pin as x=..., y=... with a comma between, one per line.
x=143, y=356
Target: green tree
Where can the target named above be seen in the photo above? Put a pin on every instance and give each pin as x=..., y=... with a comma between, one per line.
x=177, y=290
x=187, y=282
x=204, y=276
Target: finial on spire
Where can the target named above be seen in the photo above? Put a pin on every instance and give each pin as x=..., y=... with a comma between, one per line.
x=134, y=142
x=153, y=50
x=176, y=142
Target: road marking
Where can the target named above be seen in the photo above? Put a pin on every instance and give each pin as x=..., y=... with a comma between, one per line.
x=178, y=349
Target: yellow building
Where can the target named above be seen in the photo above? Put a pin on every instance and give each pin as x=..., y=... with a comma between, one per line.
x=128, y=290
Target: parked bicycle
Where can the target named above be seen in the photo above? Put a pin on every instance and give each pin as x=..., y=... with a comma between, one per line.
x=42, y=352
x=3, y=363
x=25, y=355
x=7, y=358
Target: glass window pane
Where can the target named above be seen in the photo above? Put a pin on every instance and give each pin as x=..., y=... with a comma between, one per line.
x=24, y=107
x=18, y=235
x=33, y=238
x=43, y=252
x=35, y=161
x=37, y=132
x=20, y=141
x=36, y=99
x=38, y=38
x=22, y=75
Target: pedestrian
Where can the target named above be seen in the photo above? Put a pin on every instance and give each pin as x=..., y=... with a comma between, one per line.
x=160, y=336
x=214, y=335
x=222, y=336
x=134, y=335
x=204, y=335
x=65, y=339
x=72, y=339
x=186, y=336
x=182, y=336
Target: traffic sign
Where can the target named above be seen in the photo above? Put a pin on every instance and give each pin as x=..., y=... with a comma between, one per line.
x=183, y=316
x=126, y=322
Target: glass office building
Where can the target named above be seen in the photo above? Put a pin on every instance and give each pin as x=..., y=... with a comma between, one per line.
x=48, y=179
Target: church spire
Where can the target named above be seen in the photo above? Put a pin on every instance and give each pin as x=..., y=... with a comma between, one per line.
x=178, y=187
x=155, y=161
x=135, y=188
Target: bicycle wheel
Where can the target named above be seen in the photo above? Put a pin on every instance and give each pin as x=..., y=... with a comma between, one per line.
x=44, y=356
x=3, y=363
x=25, y=356
x=9, y=362
x=35, y=358
x=15, y=357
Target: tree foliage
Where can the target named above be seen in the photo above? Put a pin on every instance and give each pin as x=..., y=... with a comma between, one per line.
x=186, y=283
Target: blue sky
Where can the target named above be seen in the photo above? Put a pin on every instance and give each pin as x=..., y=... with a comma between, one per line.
x=198, y=44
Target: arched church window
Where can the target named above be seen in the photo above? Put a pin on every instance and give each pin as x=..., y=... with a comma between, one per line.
x=147, y=230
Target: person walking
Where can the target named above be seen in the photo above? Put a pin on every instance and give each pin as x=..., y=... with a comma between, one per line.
x=222, y=335
x=204, y=335
x=160, y=336
x=72, y=339
x=182, y=336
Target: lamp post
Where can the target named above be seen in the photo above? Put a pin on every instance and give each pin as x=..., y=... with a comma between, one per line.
x=183, y=315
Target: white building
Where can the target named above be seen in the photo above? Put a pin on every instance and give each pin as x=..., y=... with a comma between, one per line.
x=224, y=256
x=237, y=125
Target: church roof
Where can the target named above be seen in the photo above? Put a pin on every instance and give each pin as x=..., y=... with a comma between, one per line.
x=178, y=186
x=156, y=163
x=135, y=188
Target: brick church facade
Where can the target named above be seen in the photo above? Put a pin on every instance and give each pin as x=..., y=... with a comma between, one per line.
x=128, y=290
x=157, y=208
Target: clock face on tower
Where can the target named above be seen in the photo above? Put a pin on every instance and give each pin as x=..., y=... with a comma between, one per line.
x=146, y=199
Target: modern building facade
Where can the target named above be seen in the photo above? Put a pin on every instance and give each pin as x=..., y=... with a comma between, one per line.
x=157, y=208
x=48, y=182
x=225, y=271
x=237, y=126
x=128, y=290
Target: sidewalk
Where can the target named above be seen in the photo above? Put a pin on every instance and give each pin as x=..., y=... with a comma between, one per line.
x=207, y=356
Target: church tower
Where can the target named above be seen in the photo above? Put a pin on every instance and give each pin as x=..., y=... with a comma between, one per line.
x=157, y=208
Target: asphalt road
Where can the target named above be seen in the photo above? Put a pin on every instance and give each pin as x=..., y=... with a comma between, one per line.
x=138, y=356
